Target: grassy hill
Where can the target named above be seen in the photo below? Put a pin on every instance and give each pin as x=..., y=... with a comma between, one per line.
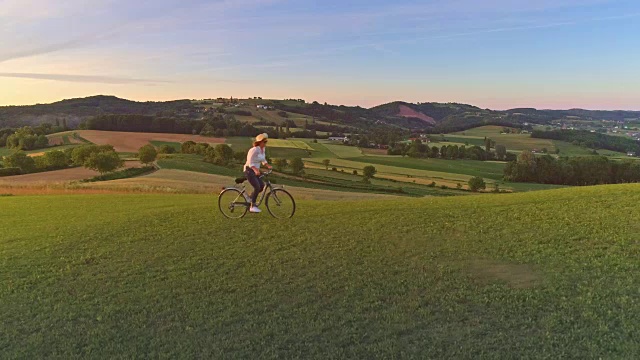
x=495, y=276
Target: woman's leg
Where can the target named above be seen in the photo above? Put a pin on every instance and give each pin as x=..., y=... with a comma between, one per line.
x=256, y=183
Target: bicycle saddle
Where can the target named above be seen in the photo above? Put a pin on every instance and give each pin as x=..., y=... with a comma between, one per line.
x=240, y=180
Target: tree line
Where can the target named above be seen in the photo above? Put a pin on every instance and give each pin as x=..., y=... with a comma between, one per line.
x=28, y=137
x=418, y=149
x=101, y=158
x=575, y=171
x=591, y=140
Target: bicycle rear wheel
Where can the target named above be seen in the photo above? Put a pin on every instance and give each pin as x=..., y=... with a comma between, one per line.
x=232, y=204
x=280, y=204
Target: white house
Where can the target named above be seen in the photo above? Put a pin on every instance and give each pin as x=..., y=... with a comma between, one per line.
x=338, y=138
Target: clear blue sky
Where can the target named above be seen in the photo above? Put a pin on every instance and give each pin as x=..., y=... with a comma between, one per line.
x=492, y=53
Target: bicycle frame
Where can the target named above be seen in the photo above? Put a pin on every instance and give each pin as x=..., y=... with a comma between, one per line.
x=268, y=187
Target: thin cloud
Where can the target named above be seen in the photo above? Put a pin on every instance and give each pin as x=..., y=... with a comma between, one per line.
x=83, y=78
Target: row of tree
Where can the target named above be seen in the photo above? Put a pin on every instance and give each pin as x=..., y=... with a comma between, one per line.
x=577, y=171
x=101, y=158
x=28, y=137
x=418, y=149
x=591, y=140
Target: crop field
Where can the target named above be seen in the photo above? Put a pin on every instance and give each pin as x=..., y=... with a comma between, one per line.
x=56, y=176
x=497, y=276
x=486, y=169
x=292, y=144
x=131, y=142
x=343, y=151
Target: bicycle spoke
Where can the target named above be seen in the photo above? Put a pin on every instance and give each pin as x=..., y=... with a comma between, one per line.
x=280, y=204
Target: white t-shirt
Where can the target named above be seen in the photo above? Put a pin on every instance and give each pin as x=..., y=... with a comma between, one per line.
x=255, y=158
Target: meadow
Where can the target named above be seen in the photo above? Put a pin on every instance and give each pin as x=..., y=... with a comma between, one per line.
x=493, y=276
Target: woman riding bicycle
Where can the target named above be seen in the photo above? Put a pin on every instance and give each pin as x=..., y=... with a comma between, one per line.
x=255, y=158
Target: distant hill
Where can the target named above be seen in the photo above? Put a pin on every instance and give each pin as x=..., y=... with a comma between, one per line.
x=428, y=116
x=75, y=110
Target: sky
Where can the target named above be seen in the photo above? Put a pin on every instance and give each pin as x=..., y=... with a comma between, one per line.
x=496, y=54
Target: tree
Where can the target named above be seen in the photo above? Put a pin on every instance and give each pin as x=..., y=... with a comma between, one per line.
x=56, y=159
x=80, y=154
x=476, y=184
x=166, y=149
x=103, y=162
x=147, y=154
x=20, y=160
x=501, y=152
x=42, y=142
x=188, y=147
x=326, y=163
x=487, y=144
x=369, y=171
x=297, y=166
x=223, y=153
x=280, y=164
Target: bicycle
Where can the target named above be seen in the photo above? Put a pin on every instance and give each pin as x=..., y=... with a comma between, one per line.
x=233, y=200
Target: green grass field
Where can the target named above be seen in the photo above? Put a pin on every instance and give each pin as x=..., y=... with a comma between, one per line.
x=486, y=169
x=494, y=276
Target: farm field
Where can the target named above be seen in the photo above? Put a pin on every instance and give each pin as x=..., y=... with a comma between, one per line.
x=187, y=182
x=131, y=142
x=37, y=152
x=505, y=276
x=487, y=169
x=57, y=176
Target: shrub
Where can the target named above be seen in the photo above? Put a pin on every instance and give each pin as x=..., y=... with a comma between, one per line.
x=297, y=166
x=444, y=187
x=369, y=171
x=80, y=154
x=280, y=164
x=166, y=149
x=355, y=172
x=104, y=162
x=476, y=184
x=240, y=156
x=334, y=169
x=20, y=160
x=147, y=154
x=188, y=147
x=56, y=159
x=10, y=171
x=433, y=184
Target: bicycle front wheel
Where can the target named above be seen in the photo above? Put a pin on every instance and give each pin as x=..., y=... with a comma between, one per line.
x=232, y=204
x=280, y=204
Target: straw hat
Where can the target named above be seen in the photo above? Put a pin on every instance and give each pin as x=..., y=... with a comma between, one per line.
x=261, y=137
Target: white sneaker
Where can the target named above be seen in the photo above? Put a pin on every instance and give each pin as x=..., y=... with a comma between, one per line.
x=254, y=209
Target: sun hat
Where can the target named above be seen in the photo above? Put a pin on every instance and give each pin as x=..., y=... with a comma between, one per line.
x=262, y=137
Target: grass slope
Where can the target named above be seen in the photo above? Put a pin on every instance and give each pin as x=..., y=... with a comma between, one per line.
x=497, y=276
